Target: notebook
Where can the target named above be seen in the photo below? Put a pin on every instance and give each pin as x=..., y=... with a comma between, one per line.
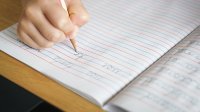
x=138, y=56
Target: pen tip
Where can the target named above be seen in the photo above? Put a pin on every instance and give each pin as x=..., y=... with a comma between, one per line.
x=74, y=44
x=75, y=50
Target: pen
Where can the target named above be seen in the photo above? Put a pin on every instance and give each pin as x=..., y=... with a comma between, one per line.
x=73, y=41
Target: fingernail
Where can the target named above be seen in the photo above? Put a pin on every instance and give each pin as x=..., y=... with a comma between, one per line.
x=74, y=33
x=63, y=37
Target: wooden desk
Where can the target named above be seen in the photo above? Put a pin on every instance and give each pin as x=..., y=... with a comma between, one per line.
x=32, y=80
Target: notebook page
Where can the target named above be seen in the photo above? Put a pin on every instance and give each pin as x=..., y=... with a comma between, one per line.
x=170, y=85
x=120, y=41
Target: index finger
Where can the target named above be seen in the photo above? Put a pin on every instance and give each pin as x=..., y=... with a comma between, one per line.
x=59, y=18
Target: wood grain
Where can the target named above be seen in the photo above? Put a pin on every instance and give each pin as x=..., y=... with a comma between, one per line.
x=32, y=80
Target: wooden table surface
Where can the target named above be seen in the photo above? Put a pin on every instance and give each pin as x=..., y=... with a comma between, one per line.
x=32, y=80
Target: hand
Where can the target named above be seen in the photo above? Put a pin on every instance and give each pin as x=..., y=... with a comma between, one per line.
x=44, y=22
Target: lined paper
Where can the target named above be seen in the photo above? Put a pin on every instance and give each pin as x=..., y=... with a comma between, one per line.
x=121, y=40
x=171, y=85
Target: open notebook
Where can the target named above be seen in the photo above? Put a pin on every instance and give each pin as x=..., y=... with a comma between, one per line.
x=134, y=55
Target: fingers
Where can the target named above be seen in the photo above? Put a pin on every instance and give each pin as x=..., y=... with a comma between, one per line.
x=77, y=12
x=30, y=35
x=36, y=36
x=45, y=22
x=59, y=18
x=26, y=39
x=47, y=30
x=35, y=30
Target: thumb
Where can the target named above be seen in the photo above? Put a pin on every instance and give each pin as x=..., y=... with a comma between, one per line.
x=77, y=13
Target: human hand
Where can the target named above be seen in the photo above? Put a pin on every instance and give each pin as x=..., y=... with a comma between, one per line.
x=44, y=22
